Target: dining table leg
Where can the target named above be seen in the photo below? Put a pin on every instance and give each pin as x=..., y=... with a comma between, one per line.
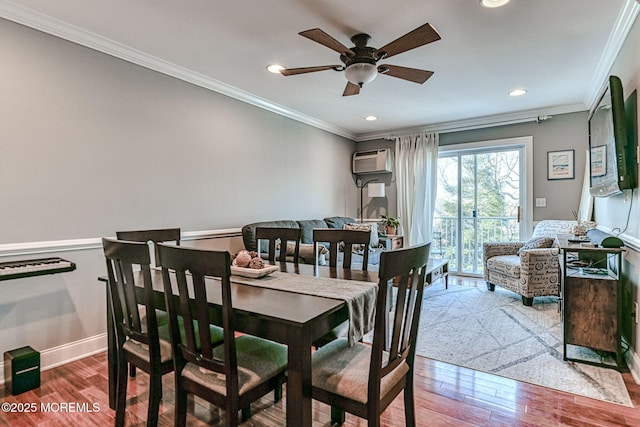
x=111, y=354
x=299, y=400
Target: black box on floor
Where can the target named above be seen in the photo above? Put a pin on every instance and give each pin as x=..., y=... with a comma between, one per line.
x=21, y=370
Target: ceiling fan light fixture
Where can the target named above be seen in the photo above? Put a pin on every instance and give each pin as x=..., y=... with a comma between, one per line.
x=517, y=92
x=361, y=73
x=371, y=118
x=493, y=3
x=275, y=68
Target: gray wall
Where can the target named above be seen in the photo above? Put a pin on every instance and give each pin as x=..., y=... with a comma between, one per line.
x=562, y=132
x=92, y=144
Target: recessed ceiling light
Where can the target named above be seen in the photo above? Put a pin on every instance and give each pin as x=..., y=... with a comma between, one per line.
x=493, y=3
x=371, y=118
x=275, y=68
x=517, y=92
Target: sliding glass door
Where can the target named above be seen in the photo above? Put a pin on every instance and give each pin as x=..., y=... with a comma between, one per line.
x=480, y=197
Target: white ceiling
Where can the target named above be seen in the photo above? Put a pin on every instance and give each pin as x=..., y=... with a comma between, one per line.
x=556, y=49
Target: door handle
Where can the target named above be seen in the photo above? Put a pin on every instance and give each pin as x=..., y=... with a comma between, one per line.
x=518, y=215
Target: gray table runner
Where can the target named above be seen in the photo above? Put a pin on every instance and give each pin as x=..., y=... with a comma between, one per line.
x=360, y=297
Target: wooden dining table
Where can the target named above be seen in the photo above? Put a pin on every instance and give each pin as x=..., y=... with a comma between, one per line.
x=292, y=318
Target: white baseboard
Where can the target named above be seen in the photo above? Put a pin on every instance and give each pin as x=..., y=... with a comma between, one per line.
x=67, y=353
x=633, y=362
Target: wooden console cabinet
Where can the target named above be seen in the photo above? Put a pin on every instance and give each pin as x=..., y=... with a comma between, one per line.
x=592, y=300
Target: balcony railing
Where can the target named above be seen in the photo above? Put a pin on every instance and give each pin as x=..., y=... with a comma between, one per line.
x=489, y=229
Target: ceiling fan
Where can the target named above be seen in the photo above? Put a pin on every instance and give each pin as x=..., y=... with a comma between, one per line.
x=360, y=61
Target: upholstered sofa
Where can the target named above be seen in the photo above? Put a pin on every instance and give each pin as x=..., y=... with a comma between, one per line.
x=530, y=269
x=306, y=239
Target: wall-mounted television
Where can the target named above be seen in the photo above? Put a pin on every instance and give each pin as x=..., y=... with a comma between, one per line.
x=612, y=143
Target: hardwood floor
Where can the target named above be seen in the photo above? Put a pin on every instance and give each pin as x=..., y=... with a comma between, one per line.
x=446, y=395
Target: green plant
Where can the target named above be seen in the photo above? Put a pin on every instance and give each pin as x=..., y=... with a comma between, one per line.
x=390, y=221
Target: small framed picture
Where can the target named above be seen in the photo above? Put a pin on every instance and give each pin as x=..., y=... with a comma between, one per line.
x=560, y=164
x=599, y=161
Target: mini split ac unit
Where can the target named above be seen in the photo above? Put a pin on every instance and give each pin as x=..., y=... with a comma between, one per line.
x=375, y=161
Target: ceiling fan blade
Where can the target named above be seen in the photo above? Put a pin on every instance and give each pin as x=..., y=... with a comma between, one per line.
x=411, y=74
x=303, y=70
x=351, y=89
x=319, y=36
x=416, y=38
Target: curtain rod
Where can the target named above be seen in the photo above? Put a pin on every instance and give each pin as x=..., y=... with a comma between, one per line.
x=460, y=128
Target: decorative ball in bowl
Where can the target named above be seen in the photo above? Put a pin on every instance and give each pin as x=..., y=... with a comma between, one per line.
x=249, y=264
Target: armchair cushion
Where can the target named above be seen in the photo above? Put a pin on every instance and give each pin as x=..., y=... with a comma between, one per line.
x=501, y=248
x=537, y=242
x=505, y=264
x=551, y=228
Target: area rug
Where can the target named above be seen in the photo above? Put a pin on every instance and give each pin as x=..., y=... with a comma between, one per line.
x=494, y=332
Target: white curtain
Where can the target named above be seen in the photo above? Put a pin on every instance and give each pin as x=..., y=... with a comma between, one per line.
x=416, y=182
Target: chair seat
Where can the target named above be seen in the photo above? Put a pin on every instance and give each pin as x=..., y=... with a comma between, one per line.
x=161, y=317
x=505, y=264
x=344, y=370
x=142, y=350
x=217, y=334
x=258, y=360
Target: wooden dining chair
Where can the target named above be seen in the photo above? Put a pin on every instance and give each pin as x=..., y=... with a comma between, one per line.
x=284, y=235
x=334, y=237
x=136, y=326
x=154, y=236
x=232, y=375
x=362, y=379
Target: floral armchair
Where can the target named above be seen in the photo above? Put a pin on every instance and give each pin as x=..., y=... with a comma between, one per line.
x=530, y=269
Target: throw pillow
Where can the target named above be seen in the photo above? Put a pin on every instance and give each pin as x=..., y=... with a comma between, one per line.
x=307, y=252
x=373, y=227
x=338, y=221
x=537, y=242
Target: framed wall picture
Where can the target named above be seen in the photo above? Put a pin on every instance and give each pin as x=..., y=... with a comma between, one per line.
x=560, y=164
x=599, y=161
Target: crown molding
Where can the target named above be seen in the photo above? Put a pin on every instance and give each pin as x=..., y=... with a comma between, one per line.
x=619, y=33
x=539, y=115
x=63, y=30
